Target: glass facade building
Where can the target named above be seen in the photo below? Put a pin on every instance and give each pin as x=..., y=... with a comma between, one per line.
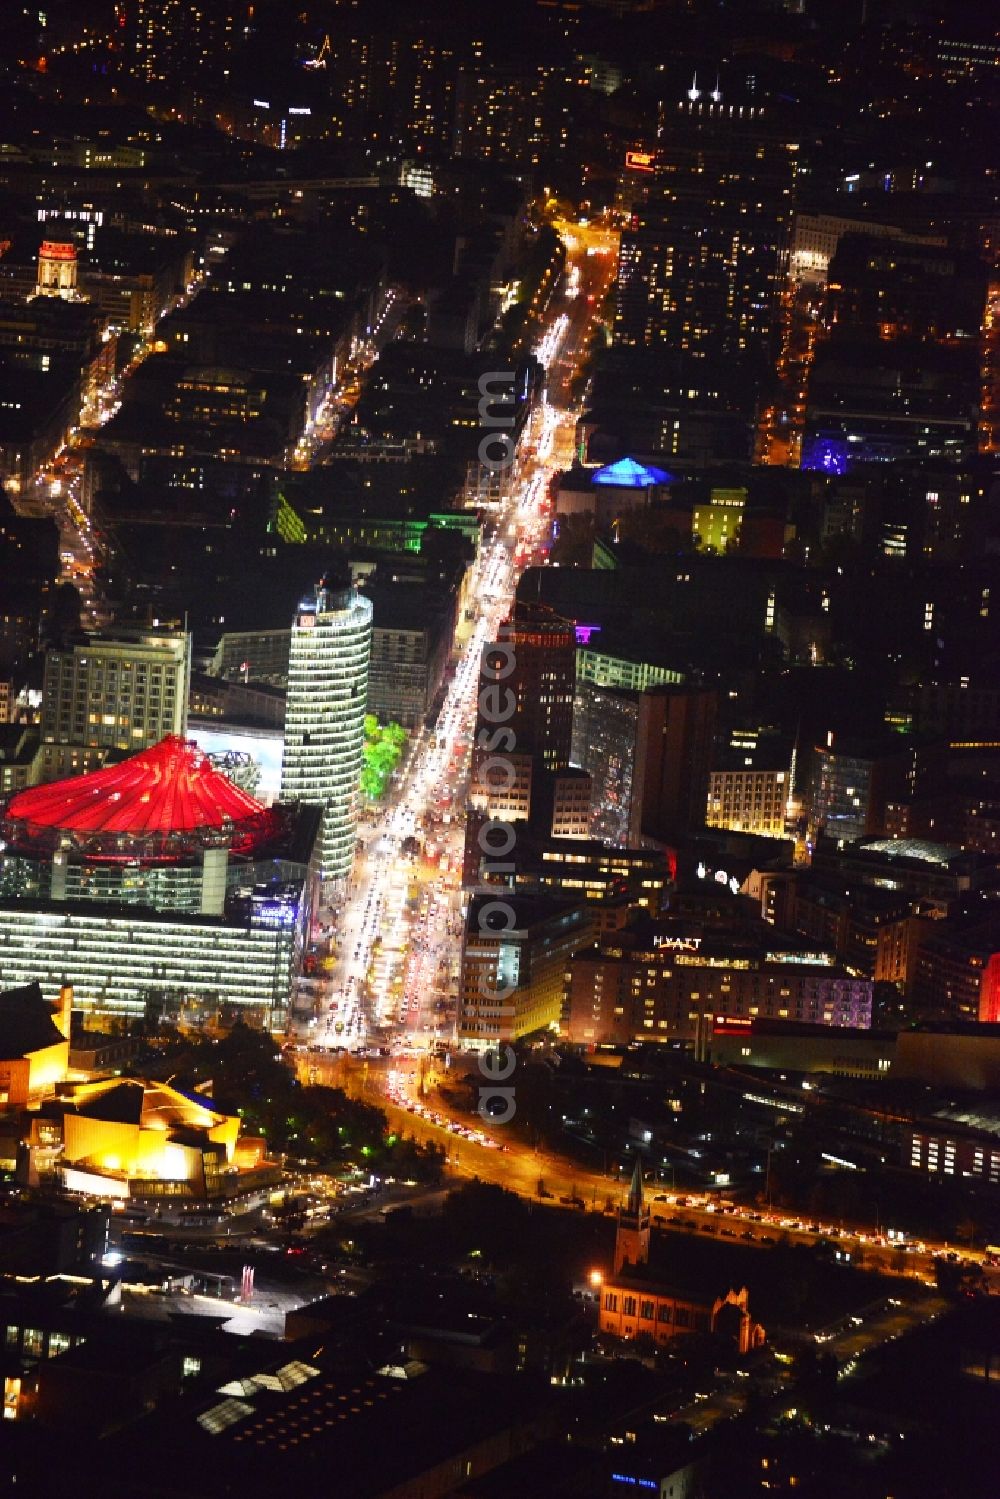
x=324, y=718
x=123, y=963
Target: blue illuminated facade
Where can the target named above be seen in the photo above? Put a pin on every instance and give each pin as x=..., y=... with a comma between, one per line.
x=826, y=455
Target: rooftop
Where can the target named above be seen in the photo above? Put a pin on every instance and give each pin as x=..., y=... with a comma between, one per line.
x=169, y=793
x=628, y=474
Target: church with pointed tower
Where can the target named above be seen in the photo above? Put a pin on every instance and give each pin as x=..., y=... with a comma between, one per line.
x=638, y=1302
x=632, y=1235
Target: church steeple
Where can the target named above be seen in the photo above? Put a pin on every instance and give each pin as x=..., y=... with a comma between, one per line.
x=632, y=1237
x=635, y=1189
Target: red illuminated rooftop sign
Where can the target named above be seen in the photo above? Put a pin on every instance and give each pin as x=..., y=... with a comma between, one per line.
x=732, y=1025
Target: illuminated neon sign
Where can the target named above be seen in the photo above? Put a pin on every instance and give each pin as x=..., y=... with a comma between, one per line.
x=640, y=161
x=678, y=944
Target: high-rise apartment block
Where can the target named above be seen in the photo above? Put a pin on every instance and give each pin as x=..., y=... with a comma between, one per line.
x=173, y=40
x=324, y=716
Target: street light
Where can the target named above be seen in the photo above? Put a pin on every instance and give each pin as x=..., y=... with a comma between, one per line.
x=596, y=1279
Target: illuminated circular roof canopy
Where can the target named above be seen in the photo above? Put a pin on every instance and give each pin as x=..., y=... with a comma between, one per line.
x=165, y=802
x=628, y=474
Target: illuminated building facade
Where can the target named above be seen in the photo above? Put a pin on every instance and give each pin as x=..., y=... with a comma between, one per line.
x=324, y=718
x=658, y=984
x=715, y=524
x=34, y=1043
x=605, y=723
x=126, y=1139
x=535, y=659
x=121, y=690
x=155, y=886
x=140, y=962
x=815, y=237
x=749, y=791
x=512, y=980
x=57, y=271
x=613, y=668
x=957, y=971
x=637, y=1302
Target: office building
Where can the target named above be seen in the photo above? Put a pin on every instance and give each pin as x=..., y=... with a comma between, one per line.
x=611, y=879
x=324, y=720
x=155, y=887
x=519, y=789
x=535, y=659
x=141, y=964
x=853, y=781
x=605, y=722
x=936, y=873
x=512, y=979
x=609, y=665
x=674, y=749
x=716, y=522
x=57, y=271
x=413, y=629
x=749, y=790
x=794, y=1046
x=649, y=756
x=118, y=690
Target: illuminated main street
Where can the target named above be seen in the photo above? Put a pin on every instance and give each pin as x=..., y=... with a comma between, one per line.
x=392, y=984
x=393, y=959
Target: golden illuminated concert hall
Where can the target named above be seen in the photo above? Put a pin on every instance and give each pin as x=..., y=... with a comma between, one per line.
x=114, y=1138
x=125, y=1138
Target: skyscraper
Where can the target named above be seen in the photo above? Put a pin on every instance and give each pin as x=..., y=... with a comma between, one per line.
x=703, y=258
x=324, y=714
x=674, y=747
x=537, y=661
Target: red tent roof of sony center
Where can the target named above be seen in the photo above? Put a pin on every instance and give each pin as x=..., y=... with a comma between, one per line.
x=169, y=795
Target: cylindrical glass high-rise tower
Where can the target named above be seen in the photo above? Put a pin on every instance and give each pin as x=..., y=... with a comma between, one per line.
x=324, y=716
